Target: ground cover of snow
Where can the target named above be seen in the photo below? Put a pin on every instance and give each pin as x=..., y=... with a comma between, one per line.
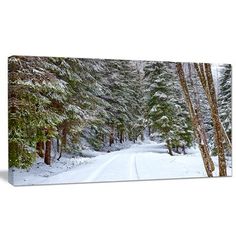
x=147, y=160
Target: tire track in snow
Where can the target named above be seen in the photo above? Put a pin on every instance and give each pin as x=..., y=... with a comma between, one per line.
x=100, y=170
x=136, y=169
x=133, y=173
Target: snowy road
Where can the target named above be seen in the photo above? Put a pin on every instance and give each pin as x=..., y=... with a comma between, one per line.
x=144, y=161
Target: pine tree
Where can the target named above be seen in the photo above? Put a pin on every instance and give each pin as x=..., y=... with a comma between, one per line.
x=225, y=99
x=31, y=119
x=167, y=111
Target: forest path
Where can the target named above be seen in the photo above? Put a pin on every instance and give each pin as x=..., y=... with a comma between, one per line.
x=148, y=160
x=122, y=165
x=142, y=161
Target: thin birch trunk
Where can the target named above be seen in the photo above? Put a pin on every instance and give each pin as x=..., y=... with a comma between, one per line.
x=205, y=76
x=198, y=129
x=216, y=122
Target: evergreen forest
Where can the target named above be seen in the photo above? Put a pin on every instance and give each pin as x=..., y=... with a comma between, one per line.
x=60, y=106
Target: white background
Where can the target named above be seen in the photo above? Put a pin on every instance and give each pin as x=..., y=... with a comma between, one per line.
x=180, y=30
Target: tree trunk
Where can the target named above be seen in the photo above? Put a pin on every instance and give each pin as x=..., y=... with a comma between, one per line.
x=197, y=102
x=198, y=129
x=169, y=147
x=64, y=137
x=142, y=136
x=177, y=149
x=205, y=76
x=216, y=121
x=47, y=158
x=201, y=74
x=59, y=148
x=111, y=138
x=40, y=148
x=62, y=142
x=121, y=136
x=60, y=154
x=58, y=145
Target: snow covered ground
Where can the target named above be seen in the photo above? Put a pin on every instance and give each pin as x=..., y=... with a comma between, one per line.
x=143, y=161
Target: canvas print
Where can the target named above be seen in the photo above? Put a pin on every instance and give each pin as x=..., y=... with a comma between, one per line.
x=74, y=120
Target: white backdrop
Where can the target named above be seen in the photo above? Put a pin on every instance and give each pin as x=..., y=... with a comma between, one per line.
x=180, y=30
